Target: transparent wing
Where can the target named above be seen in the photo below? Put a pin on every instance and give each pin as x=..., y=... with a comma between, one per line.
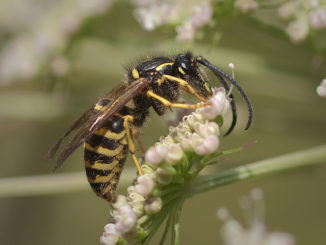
x=92, y=119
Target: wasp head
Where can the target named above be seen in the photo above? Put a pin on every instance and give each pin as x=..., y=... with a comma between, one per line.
x=188, y=69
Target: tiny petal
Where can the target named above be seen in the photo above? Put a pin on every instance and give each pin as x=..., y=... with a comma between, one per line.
x=194, y=118
x=175, y=154
x=137, y=203
x=146, y=169
x=155, y=155
x=145, y=185
x=208, y=128
x=168, y=140
x=153, y=205
x=185, y=143
x=207, y=145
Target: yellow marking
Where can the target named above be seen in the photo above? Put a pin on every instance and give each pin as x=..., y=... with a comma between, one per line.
x=99, y=107
x=185, y=84
x=163, y=65
x=104, y=151
x=102, y=166
x=208, y=87
x=105, y=132
x=135, y=73
x=100, y=179
x=167, y=103
x=131, y=144
x=160, y=81
x=181, y=71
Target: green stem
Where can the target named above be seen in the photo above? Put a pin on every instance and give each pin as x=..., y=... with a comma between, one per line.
x=273, y=165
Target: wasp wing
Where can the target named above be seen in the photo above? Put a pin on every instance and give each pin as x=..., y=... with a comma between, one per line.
x=97, y=119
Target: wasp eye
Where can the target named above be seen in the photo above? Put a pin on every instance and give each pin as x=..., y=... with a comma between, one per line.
x=184, y=65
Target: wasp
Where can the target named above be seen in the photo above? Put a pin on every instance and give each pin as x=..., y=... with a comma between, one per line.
x=109, y=127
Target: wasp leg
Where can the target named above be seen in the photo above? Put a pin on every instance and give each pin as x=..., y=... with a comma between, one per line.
x=167, y=103
x=185, y=84
x=131, y=144
x=135, y=134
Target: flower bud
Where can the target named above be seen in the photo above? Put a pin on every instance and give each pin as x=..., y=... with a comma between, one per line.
x=217, y=106
x=145, y=185
x=156, y=154
x=110, y=235
x=207, y=145
x=317, y=19
x=321, y=89
x=120, y=201
x=153, y=205
x=175, y=154
x=137, y=203
x=126, y=219
x=208, y=128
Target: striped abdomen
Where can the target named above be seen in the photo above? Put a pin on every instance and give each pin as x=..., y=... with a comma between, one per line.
x=105, y=153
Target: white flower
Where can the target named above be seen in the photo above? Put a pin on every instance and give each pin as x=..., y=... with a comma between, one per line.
x=246, y=6
x=156, y=154
x=110, y=235
x=186, y=32
x=321, y=89
x=175, y=154
x=297, y=30
x=287, y=10
x=233, y=233
x=145, y=185
x=125, y=220
x=317, y=19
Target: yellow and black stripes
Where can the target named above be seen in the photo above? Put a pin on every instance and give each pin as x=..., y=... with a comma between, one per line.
x=105, y=153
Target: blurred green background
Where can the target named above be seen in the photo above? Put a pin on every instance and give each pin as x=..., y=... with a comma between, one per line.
x=279, y=77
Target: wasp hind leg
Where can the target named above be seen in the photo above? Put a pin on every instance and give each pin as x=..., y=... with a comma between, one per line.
x=131, y=144
x=135, y=134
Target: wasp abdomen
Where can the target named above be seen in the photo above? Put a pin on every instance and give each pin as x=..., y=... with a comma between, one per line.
x=105, y=153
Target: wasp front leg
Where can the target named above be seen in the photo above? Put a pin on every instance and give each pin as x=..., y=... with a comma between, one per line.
x=170, y=104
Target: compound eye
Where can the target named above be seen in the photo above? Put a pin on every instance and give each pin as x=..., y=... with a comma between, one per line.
x=184, y=66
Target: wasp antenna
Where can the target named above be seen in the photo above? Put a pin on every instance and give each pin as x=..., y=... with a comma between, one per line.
x=220, y=73
x=234, y=116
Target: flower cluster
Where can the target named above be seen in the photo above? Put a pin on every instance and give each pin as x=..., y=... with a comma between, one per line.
x=301, y=16
x=169, y=165
x=233, y=232
x=42, y=36
x=190, y=15
x=321, y=89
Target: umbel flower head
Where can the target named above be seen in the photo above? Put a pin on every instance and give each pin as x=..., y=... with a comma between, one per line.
x=169, y=168
x=256, y=233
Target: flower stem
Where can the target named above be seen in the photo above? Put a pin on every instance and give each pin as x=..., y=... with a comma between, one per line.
x=285, y=162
